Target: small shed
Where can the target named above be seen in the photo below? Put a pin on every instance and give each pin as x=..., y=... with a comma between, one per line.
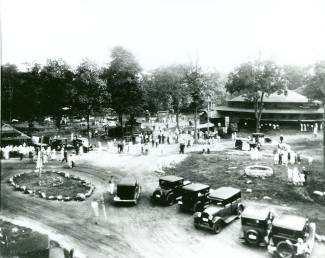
x=11, y=136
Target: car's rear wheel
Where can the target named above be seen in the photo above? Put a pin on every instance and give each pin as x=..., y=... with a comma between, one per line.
x=285, y=250
x=217, y=227
x=252, y=237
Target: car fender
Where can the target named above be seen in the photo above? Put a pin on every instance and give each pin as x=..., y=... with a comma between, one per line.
x=217, y=218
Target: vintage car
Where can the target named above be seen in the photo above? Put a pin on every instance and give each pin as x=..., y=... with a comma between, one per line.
x=291, y=236
x=255, y=225
x=169, y=190
x=128, y=191
x=194, y=197
x=224, y=207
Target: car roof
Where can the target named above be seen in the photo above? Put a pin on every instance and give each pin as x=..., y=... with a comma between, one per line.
x=291, y=222
x=224, y=193
x=127, y=182
x=258, y=213
x=195, y=187
x=171, y=178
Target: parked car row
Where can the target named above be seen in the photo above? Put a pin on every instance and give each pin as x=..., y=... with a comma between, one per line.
x=285, y=236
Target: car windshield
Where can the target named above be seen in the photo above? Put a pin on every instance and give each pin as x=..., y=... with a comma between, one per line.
x=125, y=192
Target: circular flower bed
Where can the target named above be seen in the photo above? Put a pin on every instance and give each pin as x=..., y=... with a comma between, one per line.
x=52, y=185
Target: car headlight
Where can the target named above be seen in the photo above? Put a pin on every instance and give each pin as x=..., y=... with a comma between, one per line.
x=158, y=195
x=116, y=198
x=180, y=202
x=210, y=217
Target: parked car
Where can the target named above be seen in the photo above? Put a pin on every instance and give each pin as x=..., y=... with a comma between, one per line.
x=225, y=206
x=291, y=236
x=169, y=190
x=58, y=144
x=128, y=191
x=255, y=225
x=82, y=141
x=194, y=197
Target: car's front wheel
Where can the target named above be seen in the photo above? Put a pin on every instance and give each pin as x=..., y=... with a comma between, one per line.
x=217, y=227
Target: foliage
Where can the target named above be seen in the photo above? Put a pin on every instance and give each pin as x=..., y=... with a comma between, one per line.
x=89, y=92
x=295, y=76
x=123, y=83
x=315, y=88
x=256, y=81
x=57, y=78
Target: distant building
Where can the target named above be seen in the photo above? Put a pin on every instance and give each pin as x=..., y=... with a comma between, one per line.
x=289, y=108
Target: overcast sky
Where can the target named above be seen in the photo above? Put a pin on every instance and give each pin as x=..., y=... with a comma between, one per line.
x=220, y=34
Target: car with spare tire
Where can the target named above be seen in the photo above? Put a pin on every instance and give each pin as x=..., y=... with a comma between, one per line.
x=291, y=236
x=256, y=223
x=128, y=190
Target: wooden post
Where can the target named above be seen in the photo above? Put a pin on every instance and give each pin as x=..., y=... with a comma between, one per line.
x=324, y=139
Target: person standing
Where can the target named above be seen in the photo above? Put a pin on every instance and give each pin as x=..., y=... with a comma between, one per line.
x=111, y=185
x=95, y=211
x=65, y=155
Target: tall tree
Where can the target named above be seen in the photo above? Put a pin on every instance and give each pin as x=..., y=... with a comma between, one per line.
x=255, y=81
x=295, y=76
x=123, y=83
x=197, y=89
x=9, y=85
x=169, y=88
x=89, y=92
x=56, y=77
x=27, y=100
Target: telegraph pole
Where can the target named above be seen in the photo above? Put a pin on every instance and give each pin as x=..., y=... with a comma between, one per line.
x=324, y=139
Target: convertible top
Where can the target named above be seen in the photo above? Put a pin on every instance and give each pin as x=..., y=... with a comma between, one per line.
x=224, y=193
x=291, y=222
x=127, y=182
x=257, y=213
x=171, y=178
x=195, y=187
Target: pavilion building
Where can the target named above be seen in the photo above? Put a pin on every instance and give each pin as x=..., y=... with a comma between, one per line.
x=288, y=109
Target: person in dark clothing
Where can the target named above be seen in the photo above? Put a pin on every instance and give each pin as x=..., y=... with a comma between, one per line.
x=65, y=156
x=306, y=172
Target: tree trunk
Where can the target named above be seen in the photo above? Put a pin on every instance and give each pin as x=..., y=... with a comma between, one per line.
x=120, y=118
x=88, y=126
x=259, y=115
x=257, y=126
x=177, y=119
x=195, y=126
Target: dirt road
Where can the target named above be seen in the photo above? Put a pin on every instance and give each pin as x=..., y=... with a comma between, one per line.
x=140, y=231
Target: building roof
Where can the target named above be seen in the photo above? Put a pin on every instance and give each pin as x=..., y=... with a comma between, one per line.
x=171, y=178
x=224, y=193
x=252, y=212
x=290, y=96
x=291, y=222
x=127, y=182
x=195, y=187
x=9, y=133
x=273, y=111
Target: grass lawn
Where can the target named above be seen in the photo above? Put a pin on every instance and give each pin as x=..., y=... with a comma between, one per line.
x=224, y=169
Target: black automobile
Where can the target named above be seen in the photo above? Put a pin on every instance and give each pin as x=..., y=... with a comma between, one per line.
x=224, y=207
x=194, y=197
x=169, y=190
x=128, y=191
x=255, y=225
x=291, y=236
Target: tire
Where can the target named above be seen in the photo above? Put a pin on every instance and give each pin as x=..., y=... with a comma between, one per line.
x=249, y=239
x=217, y=227
x=285, y=250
